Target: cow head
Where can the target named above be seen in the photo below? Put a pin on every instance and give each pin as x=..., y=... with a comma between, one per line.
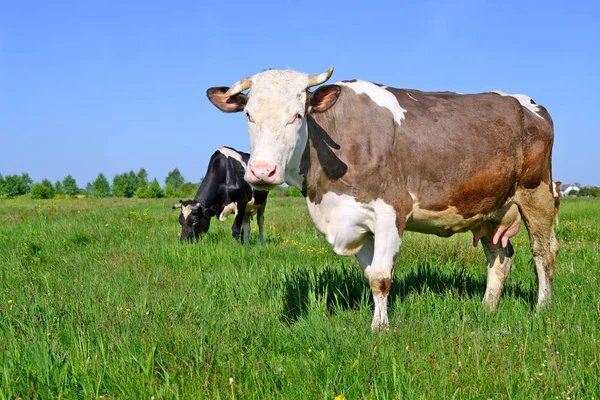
x=276, y=108
x=194, y=219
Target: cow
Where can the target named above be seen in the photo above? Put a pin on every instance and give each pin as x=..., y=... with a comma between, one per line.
x=556, y=194
x=223, y=191
x=374, y=161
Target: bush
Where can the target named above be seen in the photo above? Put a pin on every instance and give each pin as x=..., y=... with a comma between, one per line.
x=589, y=191
x=140, y=193
x=277, y=192
x=42, y=191
x=291, y=191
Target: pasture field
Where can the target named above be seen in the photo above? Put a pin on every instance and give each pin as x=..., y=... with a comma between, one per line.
x=99, y=300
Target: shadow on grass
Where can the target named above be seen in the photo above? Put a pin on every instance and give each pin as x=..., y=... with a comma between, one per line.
x=343, y=287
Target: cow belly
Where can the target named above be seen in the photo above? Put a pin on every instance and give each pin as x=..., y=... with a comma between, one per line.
x=442, y=223
x=499, y=225
x=345, y=223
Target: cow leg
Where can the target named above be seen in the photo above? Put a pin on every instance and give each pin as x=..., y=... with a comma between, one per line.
x=239, y=220
x=365, y=260
x=499, y=260
x=246, y=230
x=537, y=209
x=260, y=220
x=377, y=258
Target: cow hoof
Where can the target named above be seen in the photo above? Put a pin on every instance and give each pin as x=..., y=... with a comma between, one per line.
x=382, y=326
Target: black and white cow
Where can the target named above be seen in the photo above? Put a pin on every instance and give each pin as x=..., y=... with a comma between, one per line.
x=222, y=192
x=374, y=161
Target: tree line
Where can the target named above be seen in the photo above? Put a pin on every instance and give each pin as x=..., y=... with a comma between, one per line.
x=128, y=184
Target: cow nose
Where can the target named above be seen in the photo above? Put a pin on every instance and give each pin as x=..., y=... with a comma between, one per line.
x=262, y=171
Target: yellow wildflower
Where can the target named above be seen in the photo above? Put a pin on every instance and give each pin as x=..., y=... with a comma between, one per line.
x=10, y=302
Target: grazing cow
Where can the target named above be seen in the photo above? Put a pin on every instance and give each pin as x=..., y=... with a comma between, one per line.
x=374, y=161
x=222, y=192
x=556, y=194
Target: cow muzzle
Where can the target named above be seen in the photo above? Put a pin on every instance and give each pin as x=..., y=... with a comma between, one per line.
x=263, y=173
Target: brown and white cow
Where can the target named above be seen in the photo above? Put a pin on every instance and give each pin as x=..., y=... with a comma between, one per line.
x=556, y=194
x=374, y=161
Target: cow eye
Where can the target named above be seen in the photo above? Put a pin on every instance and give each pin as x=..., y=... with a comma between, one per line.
x=249, y=117
x=296, y=118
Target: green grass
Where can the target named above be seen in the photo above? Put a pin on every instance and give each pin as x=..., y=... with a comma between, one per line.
x=98, y=299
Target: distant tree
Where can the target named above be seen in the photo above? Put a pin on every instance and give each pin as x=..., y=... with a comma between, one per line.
x=2, y=185
x=124, y=185
x=70, y=186
x=169, y=192
x=26, y=183
x=15, y=185
x=142, y=179
x=175, y=179
x=101, y=187
x=187, y=190
x=133, y=178
x=154, y=191
x=89, y=189
x=58, y=188
x=43, y=190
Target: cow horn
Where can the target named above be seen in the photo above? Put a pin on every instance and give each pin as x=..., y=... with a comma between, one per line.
x=315, y=80
x=239, y=86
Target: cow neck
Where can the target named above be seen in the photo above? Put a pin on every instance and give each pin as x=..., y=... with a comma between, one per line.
x=320, y=166
x=209, y=190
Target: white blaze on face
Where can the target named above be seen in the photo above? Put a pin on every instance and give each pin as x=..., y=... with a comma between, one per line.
x=232, y=154
x=186, y=211
x=379, y=95
x=524, y=100
x=276, y=137
x=554, y=192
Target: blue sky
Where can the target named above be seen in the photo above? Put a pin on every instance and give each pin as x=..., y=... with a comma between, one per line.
x=112, y=86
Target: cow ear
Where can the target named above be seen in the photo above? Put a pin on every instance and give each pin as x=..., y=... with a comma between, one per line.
x=177, y=205
x=197, y=209
x=227, y=104
x=323, y=98
x=209, y=212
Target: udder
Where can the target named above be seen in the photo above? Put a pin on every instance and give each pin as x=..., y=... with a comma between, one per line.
x=501, y=226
